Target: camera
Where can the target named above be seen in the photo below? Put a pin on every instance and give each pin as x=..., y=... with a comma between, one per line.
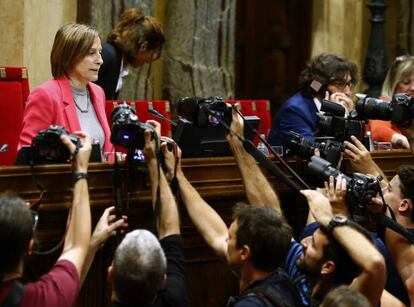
x=400, y=110
x=361, y=188
x=334, y=123
x=204, y=112
x=48, y=147
x=127, y=131
x=329, y=149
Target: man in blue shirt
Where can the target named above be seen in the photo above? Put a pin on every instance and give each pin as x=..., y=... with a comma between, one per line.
x=327, y=76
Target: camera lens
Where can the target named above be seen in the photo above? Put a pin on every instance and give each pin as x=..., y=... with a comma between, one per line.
x=373, y=108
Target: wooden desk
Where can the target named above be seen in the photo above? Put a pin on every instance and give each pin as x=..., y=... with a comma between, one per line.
x=217, y=180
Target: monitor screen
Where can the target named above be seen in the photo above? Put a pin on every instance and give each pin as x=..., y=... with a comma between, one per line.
x=210, y=141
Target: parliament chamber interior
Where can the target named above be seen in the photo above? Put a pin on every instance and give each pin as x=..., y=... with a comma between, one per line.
x=250, y=54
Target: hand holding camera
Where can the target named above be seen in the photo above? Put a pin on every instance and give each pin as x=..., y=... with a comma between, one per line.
x=80, y=151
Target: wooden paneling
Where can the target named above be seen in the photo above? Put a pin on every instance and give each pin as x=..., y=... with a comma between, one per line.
x=272, y=47
x=217, y=180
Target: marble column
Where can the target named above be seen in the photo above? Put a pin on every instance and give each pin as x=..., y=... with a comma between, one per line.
x=198, y=57
x=200, y=49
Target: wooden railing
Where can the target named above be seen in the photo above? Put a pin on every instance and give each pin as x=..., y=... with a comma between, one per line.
x=216, y=179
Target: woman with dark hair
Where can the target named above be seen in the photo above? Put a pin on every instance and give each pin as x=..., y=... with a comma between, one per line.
x=136, y=40
x=326, y=76
x=71, y=99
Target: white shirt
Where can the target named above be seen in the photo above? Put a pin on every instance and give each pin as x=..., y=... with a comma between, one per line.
x=124, y=71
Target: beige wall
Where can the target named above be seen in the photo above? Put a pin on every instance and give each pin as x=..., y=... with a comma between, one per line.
x=27, y=30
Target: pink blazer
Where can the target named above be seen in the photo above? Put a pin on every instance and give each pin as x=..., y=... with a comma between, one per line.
x=52, y=104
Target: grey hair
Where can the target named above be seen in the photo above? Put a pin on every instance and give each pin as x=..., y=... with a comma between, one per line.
x=139, y=266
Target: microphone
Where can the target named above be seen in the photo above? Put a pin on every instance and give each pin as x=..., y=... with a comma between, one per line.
x=4, y=147
x=160, y=116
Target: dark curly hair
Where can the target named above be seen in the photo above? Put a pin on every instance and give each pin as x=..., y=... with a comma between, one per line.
x=325, y=68
x=133, y=29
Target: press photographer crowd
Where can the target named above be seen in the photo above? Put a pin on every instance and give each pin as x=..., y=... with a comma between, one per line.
x=355, y=250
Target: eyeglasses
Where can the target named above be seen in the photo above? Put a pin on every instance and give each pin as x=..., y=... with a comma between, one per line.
x=35, y=217
x=341, y=84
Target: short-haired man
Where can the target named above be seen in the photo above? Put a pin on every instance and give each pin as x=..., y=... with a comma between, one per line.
x=338, y=252
x=326, y=76
x=253, y=247
x=60, y=286
x=399, y=197
x=145, y=271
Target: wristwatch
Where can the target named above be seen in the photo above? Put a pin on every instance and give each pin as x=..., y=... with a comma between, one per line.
x=336, y=221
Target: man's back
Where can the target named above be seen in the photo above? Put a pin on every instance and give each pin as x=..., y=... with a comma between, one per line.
x=59, y=287
x=277, y=290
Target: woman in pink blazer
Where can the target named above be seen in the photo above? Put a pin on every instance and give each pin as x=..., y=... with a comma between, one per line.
x=70, y=99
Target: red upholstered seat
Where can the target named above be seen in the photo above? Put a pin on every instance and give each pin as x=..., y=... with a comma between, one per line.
x=17, y=74
x=11, y=119
x=141, y=107
x=260, y=108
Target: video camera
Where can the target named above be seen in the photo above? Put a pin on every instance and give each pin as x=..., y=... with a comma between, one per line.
x=329, y=149
x=48, y=147
x=361, y=188
x=400, y=110
x=203, y=112
x=127, y=131
x=334, y=123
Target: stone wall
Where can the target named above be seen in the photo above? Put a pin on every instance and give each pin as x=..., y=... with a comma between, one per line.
x=198, y=58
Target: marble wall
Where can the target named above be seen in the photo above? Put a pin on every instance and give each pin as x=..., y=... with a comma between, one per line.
x=27, y=30
x=198, y=58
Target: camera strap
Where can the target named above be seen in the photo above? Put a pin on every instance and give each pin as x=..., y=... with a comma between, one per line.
x=269, y=165
x=262, y=159
x=117, y=182
x=387, y=222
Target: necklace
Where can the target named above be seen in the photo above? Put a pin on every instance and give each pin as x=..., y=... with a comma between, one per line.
x=87, y=103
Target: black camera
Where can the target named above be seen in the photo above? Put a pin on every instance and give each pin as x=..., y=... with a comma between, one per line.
x=334, y=123
x=400, y=110
x=329, y=149
x=127, y=131
x=361, y=188
x=48, y=147
x=204, y=112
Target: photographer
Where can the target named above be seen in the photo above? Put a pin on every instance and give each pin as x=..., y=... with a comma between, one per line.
x=253, y=246
x=60, y=286
x=147, y=271
x=399, y=199
x=333, y=255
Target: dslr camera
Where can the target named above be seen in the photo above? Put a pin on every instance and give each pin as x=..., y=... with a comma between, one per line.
x=334, y=123
x=400, y=110
x=127, y=131
x=329, y=149
x=204, y=112
x=361, y=188
x=48, y=147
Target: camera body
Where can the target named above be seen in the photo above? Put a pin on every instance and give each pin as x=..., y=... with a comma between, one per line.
x=334, y=123
x=203, y=112
x=48, y=146
x=361, y=188
x=400, y=110
x=127, y=131
x=329, y=149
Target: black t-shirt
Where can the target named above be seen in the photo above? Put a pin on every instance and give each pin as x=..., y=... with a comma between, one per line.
x=175, y=291
x=280, y=281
